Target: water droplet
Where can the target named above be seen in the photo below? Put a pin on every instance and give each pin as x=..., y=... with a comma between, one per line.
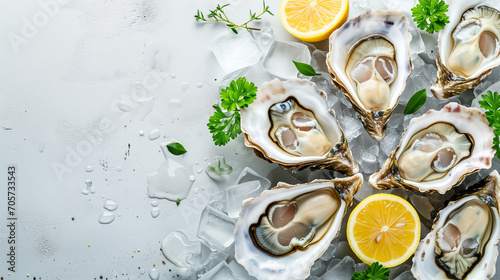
x=196, y=191
x=85, y=192
x=119, y=178
x=154, y=134
x=154, y=274
x=89, y=168
x=173, y=76
x=141, y=133
x=119, y=168
x=191, y=177
x=155, y=211
x=202, y=188
x=199, y=85
x=110, y=205
x=106, y=217
x=142, y=271
x=200, y=170
x=267, y=35
x=41, y=147
x=154, y=203
x=184, y=86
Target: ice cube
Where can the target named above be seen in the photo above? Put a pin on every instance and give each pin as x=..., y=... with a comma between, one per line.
x=343, y=249
x=360, y=267
x=400, y=192
x=342, y=271
x=422, y=205
x=352, y=127
x=279, y=60
x=240, y=271
x=365, y=191
x=266, y=35
x=219, y=169
x=182, y=252
x=318, y=268
x=235, y=51
x=248, y=174
x=369, y=158
x=330, y=252
x=218, y=201
x=216, y=228
x=236, y=194
x=220, y=272
x=407, y=275
x=391, y=140
x=318, y=61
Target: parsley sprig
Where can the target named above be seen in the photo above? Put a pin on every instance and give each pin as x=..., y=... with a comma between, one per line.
x=375, y=271
x=430, y=15
x=224, y=124
x=218, y=14
x=491, y=103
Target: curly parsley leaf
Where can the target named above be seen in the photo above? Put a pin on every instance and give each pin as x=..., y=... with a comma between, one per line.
x=375, y=271
x=430, y=15
x=239, y=93
x=224, y=126
x=491, y=103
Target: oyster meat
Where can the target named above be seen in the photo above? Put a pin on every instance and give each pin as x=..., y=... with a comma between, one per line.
x=290, y=123
x=438, y=150
x=369, y=60
x=464, y=238
x=468, y=47
x=282, y=232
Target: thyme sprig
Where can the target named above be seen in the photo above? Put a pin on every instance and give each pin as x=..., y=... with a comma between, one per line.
x=219, y=15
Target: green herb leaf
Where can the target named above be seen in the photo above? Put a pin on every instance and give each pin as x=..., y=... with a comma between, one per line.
x=178, y=201
x=218, y=14
x=224, y=124
x=430, y=15
x=375, y=271
x=416, y=102
x=491, y=103
x=305, y=69
x=176, y=149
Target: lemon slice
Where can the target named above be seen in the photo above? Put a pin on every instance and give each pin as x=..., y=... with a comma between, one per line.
x=384, y=228
x=313, y=20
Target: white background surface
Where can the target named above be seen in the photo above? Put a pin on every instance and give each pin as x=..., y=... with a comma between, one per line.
x=59, y=88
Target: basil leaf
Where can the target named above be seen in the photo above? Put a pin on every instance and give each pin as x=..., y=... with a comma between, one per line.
x=305, y=69
x=176, y=149
x=416, y=102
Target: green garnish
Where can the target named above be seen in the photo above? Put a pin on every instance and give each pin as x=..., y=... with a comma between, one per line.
x=430, y=15
x=225, y=125
x=178, y=201
x=375, y=271
x=416, y=102
x=491, y=103
x=218, y=14
x=305, y=69
x=176, y=149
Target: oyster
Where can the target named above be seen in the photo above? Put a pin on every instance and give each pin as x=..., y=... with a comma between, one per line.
x=468, y=47
x=282, y=232
x=369, y=60
x=289, y=123
x=438, y=150
x=464, y=238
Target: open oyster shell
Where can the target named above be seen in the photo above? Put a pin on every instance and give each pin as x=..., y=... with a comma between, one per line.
x=369, y=60
x=468, y=47
x=290, y=124
x=282, y=232
x=463, y=242
x=438, y=150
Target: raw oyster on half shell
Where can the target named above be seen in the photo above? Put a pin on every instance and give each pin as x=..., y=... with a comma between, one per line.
x=468, y=47
x=463, y=243
x=369, y=60
x=290, y=123
x=438, y=150
x=282, y=232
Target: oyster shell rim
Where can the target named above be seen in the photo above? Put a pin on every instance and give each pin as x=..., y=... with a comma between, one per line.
x=375, y=122
x=346, y=188
x=385, y=178
x=425, y=244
